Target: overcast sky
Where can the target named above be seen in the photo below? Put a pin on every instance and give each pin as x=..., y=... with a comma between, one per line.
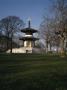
x=24, y=9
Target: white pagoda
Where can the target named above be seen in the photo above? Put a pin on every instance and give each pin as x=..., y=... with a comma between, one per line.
x=29, y=39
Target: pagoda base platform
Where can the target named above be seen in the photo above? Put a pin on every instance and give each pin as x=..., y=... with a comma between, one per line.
x=25, y=50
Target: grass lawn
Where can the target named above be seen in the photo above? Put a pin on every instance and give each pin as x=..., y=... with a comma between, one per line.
x=32, y=71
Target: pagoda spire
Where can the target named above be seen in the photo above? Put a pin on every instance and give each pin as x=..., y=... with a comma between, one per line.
x=29, y=22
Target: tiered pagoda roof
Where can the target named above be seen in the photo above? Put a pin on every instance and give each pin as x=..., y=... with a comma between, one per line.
x=29, y=31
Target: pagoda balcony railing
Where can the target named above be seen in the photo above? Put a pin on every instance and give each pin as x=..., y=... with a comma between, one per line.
x=28, y=35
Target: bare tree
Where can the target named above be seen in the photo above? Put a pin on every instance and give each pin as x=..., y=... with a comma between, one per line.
x=60, y=10
x=11, y=25
x=54, y=28
x=46, y=29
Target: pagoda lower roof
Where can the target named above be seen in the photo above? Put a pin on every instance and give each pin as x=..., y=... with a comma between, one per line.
x=31, y=30
x=29, y=38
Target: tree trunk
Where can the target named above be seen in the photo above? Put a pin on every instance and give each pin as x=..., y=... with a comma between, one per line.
x=50, y=46
x=11, y=45
x=7, y=41
x=11, y=41
x=62, y=46
x=46, y=46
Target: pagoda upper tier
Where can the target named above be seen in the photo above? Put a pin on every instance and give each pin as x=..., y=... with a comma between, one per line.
x=29, y=33
x=29, y=30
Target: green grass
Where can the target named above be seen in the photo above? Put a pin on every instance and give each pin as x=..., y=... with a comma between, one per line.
x=33, y=71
